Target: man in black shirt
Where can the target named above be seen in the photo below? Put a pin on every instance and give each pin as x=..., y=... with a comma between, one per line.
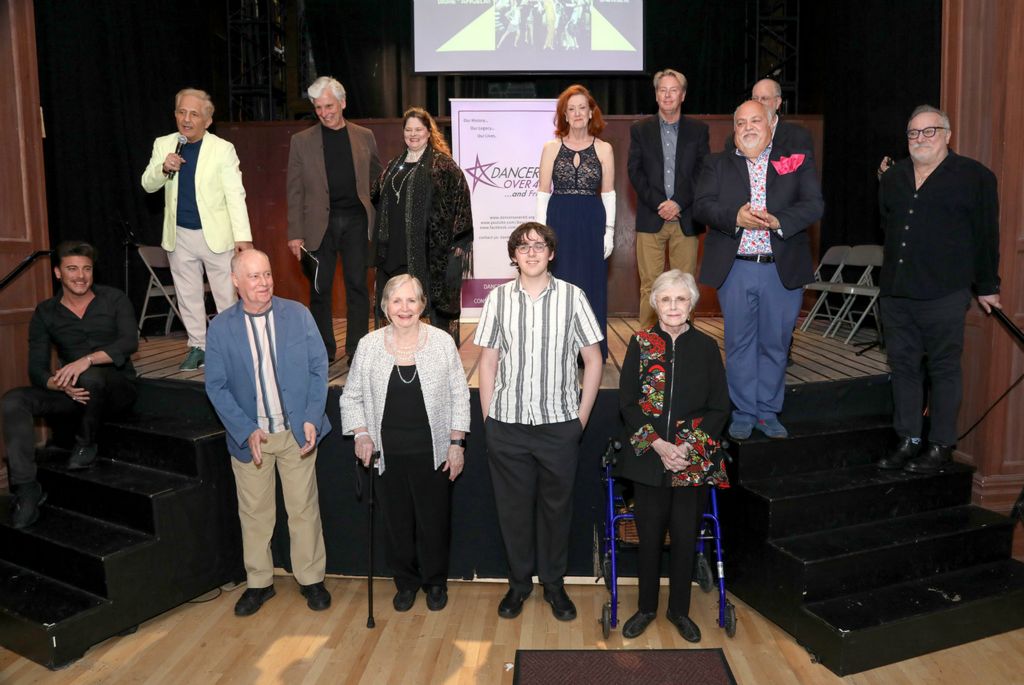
x=330, y=169
x=940, y=213
x=93, y=330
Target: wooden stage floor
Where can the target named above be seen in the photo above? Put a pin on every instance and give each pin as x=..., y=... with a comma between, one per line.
x=814, y=358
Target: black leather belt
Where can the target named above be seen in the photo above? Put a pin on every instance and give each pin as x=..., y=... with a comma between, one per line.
x=759, y=258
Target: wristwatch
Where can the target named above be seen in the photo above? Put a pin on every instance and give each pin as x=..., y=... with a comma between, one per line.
x=461, y=442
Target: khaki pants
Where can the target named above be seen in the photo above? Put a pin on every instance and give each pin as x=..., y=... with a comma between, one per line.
x=257, y=511
x=650, y=261
x=188, y=259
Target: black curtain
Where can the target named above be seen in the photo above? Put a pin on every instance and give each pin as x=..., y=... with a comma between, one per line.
x=108, y=72
x=870, y=63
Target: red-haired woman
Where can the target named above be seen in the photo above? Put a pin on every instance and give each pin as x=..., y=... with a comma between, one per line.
x=576, y=198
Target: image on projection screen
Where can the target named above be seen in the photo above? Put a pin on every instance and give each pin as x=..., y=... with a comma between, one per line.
x=466, y=36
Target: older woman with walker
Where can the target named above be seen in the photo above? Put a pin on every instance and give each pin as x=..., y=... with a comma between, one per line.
x=674, y=402
x=407, y=399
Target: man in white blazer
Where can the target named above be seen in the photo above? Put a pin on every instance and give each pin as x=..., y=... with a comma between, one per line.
x=205, y=218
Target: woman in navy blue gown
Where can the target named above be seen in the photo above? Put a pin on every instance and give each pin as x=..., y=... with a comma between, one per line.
x=576, y=198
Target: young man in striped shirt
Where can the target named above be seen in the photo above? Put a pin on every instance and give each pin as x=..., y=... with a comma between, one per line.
x=531, y=330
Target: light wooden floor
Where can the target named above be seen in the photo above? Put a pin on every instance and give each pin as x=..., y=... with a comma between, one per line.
x=814, y=358
x=466, y=644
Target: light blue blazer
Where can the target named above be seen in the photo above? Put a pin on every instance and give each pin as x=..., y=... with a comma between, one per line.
x=302, y=373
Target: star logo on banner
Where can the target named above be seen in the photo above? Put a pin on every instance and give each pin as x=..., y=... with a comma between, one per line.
x=478, y=172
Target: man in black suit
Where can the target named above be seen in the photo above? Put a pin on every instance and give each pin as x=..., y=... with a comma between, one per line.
x=793, y=136
x=665, y=155
x=759, y=200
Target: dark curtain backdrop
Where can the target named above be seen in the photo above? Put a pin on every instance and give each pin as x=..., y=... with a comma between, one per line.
x=870, y=65
x=109, y=71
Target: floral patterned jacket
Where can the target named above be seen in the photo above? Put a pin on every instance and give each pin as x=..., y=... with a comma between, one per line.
x=675, y=391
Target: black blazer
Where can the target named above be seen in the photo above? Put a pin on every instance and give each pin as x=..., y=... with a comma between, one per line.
x=646, y=168
x=795, y=198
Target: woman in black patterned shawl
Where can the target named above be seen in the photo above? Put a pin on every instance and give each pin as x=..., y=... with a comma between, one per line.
x=424, y=220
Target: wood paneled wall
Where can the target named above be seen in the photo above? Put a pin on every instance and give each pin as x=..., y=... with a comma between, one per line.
x=983, y=92
x=263, y=151
x=23, y=226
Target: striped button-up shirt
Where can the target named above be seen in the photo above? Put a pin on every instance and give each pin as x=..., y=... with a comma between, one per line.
x=269, y=407
x=537, y=342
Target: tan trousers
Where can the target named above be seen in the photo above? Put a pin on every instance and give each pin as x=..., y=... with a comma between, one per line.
x=650, y=261
x=257, y=511
x=188, y=259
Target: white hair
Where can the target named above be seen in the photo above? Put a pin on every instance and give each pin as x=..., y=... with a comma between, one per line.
x=196, y=93
x=926, y=109
x=674, y=278
x=317, y=87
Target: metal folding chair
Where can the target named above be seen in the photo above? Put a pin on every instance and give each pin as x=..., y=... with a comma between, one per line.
x=154, y=257
x=870, y=258
x=834, y=258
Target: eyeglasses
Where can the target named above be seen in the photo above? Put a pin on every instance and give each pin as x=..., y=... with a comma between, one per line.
x=523, y=248
x=929, y=132
x=764, y=99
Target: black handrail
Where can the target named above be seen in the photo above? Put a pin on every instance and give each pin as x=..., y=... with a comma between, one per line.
x=25, y=263
x=1010, y=326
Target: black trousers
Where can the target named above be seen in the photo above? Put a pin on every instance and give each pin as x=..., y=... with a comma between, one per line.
x=345, y=237
x=678, y=511
x=110, y=393
x=416, y=501
x=533, y=469
x=914, y=330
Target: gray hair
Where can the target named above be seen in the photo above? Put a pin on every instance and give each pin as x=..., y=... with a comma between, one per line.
x=317, y=87
x=396, y=282
x=925, y=109
x=759, y=104
x=670, y=72
x=675, y=278
x=237, y=258
x=196, y=93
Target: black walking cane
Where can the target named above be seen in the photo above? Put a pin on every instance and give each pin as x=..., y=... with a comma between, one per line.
x=369, y=575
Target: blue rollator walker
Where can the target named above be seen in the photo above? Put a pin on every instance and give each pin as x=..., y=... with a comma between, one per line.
x=616, y=512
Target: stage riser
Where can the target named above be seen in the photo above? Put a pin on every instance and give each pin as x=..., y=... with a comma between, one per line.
x=890, y=496
x=832, y=445
x=948, y=610
x=844, y=399
x=849, y=573
x=865, y=567
x=122, y=542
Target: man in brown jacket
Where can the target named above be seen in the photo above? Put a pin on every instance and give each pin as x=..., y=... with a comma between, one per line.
x=330, y=169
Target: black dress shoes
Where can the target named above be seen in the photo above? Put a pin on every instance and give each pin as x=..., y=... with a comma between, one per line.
x=83, y=457
x=512, y=604
x=561, y=606
x=252, y=599
x=317, y=596
x=903, y=453
x=27, y=498
x=404, y=599
x=687, y=628
x=637, y=624
x=934, y=458
x=437, y=597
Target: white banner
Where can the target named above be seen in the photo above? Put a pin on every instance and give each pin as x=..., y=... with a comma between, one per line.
x=497, y=144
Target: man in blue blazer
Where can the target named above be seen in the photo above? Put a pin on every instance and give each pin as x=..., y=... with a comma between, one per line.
x=759, y=200
x=666, y=152
x=266, y=375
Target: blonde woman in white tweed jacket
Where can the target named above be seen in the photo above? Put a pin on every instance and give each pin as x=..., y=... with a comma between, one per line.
x=407, y=397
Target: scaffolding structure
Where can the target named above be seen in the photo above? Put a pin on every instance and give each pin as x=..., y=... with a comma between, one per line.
x=256, y=60
x=773, y=47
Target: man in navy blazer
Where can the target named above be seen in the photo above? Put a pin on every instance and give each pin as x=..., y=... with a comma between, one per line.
x=266, y=375
x=664, y=185
x=759, y=201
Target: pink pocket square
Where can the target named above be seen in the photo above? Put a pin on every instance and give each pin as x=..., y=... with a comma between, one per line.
x=787, y=165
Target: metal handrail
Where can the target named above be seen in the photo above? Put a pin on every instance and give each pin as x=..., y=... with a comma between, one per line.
x=22, y=266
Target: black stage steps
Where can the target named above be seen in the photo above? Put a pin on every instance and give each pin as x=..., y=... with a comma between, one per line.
x=865, y=567
x=152, y=525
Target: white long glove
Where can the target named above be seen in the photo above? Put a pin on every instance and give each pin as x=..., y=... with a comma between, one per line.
x=608, y=200
x=541, y=214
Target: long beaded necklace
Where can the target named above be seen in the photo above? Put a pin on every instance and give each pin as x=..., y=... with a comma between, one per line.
x=398, y=189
